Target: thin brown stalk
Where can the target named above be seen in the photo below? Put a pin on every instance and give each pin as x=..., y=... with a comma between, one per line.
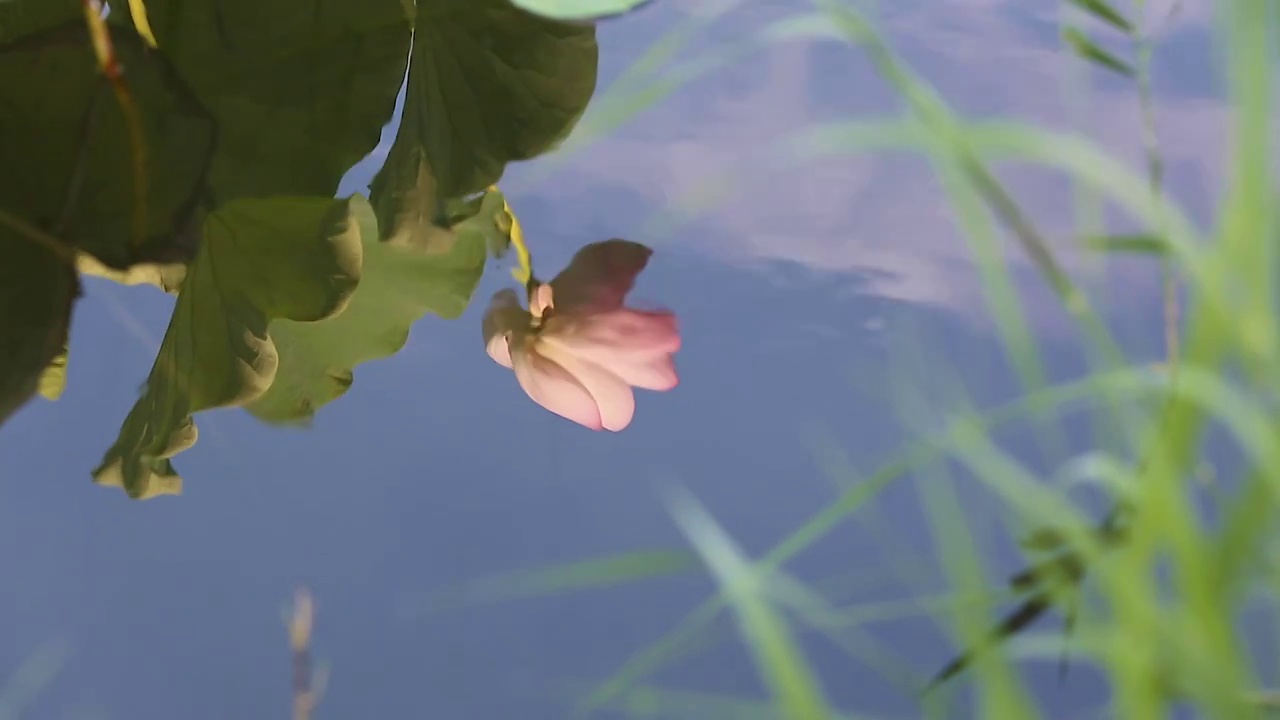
x=300, y=622
x=1155, y=174
x=113, y=71
x=38, y=236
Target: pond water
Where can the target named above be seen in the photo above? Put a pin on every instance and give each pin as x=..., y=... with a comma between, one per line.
x=813, y=296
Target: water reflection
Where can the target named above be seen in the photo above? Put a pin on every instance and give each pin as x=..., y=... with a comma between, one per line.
x=434, y=470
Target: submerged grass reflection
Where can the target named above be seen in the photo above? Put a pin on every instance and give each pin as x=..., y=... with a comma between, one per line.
x=1159, y=609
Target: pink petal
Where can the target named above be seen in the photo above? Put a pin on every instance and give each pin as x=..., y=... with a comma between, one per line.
x=541, y=300
x=552, y=387
x=617, y=337
x=499, y=350
x=653, y=374
x=612, y=394
x=600, y=276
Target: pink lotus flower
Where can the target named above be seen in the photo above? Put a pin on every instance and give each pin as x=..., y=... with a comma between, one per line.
x=577, y=351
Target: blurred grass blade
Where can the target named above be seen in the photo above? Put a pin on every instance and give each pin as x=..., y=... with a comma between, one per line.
x=1089, y=50
x=1021, y=617
x=1134, y=244
x=1104, y=12
x=778, y=657
x=640, y=85
x=916, y=455
x=998, y=691
x=1249, y=217
x=1100, y=470
x=31, y=678
x=578, y=575
x=645, y=83
x=1048, y=579
x=1071, y=615
x=816, y=612
x=970, y=185
x=655, y=702
x=967, y=184
x=1007, y=140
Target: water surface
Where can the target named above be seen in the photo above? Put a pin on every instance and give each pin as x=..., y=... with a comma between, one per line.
x=802, y=294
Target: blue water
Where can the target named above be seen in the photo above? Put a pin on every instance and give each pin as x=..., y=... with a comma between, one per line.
x=799, y=295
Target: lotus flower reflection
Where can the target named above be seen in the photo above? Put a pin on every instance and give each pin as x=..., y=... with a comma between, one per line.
x=577, y=351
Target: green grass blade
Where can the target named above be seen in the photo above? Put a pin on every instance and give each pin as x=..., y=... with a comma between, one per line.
x=1090, y=51
x=638, y=87
x=916, y=455
x=1001, y=695
x=645, y=84
x=655, y=702
x=1249, y=224
x=1068, y=152
x=1104, y=12
x=1133, y=244
x=567, y=577
x=967, y=185
x=817, y=613
x=778, y=658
